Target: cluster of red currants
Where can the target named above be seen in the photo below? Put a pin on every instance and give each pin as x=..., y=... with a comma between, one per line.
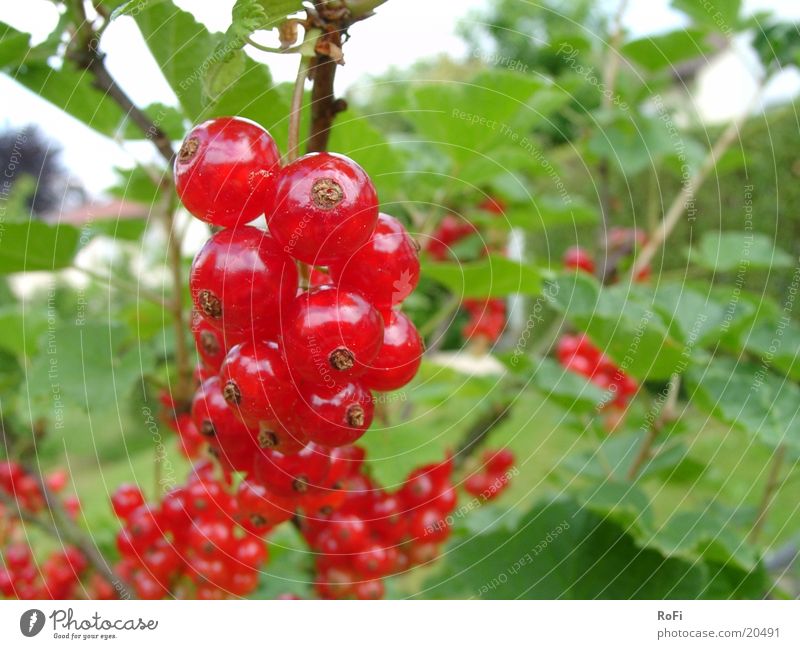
x=188, y=544
x=289, y=371
x=493, y=477
x=65, y=573
x=487, y=317
x=577, y=354
x=374, y=533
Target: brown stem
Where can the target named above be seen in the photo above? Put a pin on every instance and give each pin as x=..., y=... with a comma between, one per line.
x=665, y=415
x=480, y=430
x=770, y=490
x=324, y=106
x=84, y=53
x=688, y=191
x=183, y=387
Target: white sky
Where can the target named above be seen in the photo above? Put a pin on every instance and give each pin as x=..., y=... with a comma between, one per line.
x=376, y=44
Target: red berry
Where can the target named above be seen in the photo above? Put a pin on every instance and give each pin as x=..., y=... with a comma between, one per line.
x=331, y=335
x=336, y=417
x=240, y=278
x=212, y=538
x=223, y=171
x=214, y=419
x=255, y=381
x=398, y=358
x=259, y=508
x=384, y=270
x=251, y=552
x=125, y=499
x=293, y=474
x=209, y=342
x=578, y=259
x=324, y=208
x=145, y=527
x=498, y=461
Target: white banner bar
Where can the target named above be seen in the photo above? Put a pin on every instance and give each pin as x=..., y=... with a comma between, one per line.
x=406, y=624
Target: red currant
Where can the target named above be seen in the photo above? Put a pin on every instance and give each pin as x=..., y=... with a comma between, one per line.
x=224, y=169
x=399, y=357
x=255, y=381
x=239, y=279
x=293, y=474
x=125, y=499
x=335, y=417
x=331, y=335
x=578, y=259
x=324, y=207
x=385, y=270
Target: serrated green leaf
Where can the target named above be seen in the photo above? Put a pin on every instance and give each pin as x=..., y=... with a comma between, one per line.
x=730, y=250
x=564, y=551
x=749, y=398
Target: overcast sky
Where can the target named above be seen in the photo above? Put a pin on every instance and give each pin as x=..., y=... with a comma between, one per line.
x=376, y=44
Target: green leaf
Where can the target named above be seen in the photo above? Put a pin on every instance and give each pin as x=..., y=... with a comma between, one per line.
x=750, y=398
x=37, y=246
x=732, y=250
x=549, y=211
x=561, y=550
x=253, y=95
x=181, y=46
x=721, y=15
x=462, y=119
x=778, y=45
x=86, y=367
x=168, y=118
x=492, y=276
x=666, y=50
x=776, y=342
x=698, y=317
x=632, y=144
x=14, y=46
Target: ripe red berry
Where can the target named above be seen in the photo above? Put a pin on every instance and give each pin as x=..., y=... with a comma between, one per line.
x=323, y=208
x=216, y=421
x=498, y=461
x=331, y=335
x=398, y=358
x=125, y=499
x=385, y=270
x=255, y=381
x=210, y=343
x=578, y=259
x=224, y=169
x=335, y=417
x=240, y=278
x=293, y=474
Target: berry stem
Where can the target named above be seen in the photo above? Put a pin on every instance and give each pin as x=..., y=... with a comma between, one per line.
x=665, y=415
x=480, y=430
x=293, y=151
x=689, y=189
x=84, y=53
x=183, y=386
x=770, y=490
